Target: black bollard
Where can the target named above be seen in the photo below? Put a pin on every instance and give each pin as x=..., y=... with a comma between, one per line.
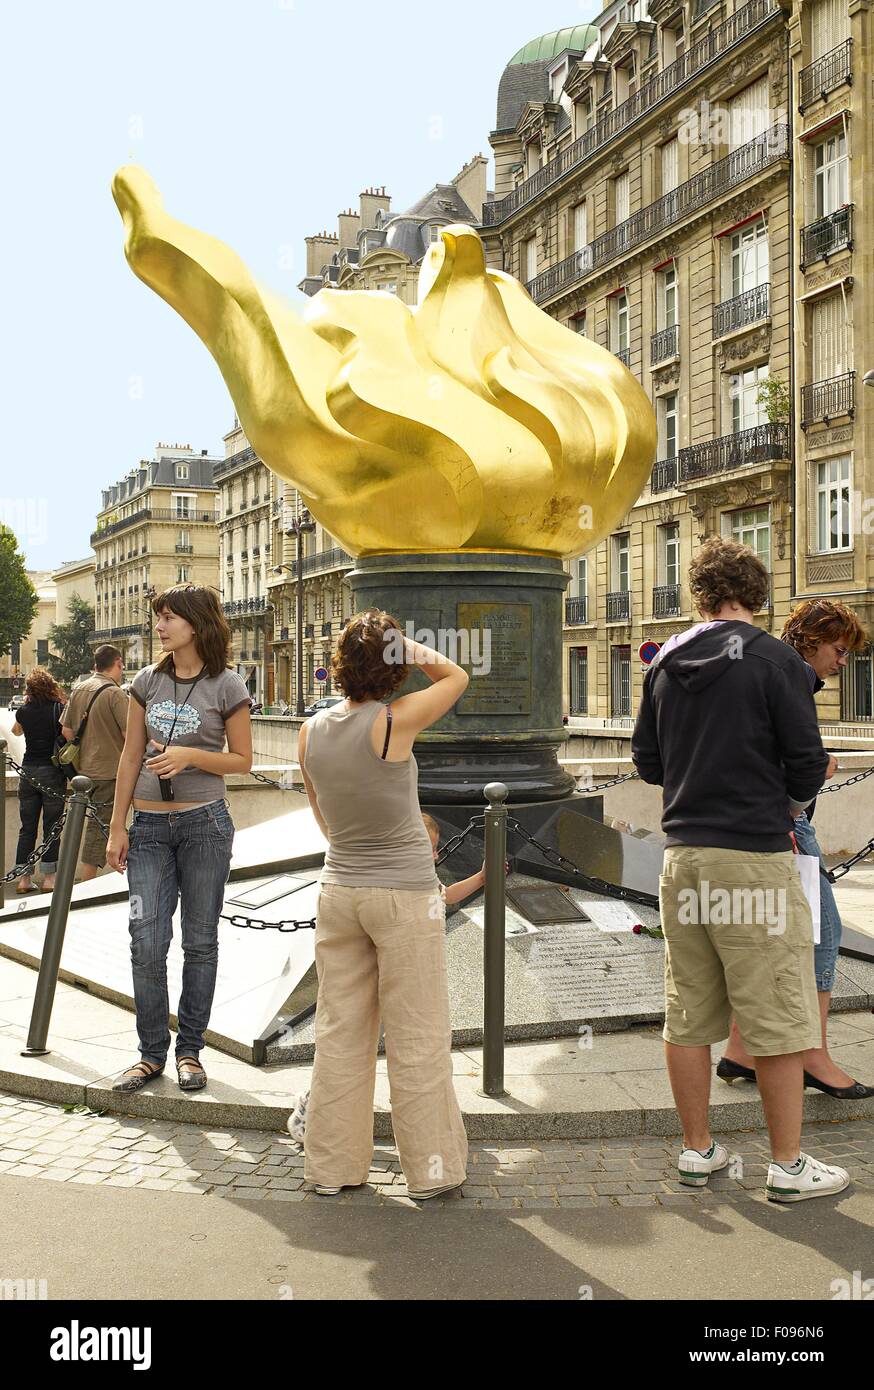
x=53, y=945
x=494, y=941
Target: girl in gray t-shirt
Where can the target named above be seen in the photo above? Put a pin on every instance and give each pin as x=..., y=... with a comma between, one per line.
x=183, y=711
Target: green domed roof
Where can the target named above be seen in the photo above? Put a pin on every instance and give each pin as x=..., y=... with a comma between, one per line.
x=548, y=46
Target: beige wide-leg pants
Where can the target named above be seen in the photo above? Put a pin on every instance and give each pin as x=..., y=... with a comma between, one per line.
x=382, y=952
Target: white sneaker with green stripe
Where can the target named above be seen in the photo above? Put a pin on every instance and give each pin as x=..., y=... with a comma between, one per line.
x=813, y=1179
x=694, y=1167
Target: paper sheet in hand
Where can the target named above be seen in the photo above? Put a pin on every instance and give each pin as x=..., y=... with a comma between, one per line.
x=808, y=867
x=616, y=916
x=514, y=925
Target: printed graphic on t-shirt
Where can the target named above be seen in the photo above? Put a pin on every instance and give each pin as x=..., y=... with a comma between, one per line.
x=162, y=714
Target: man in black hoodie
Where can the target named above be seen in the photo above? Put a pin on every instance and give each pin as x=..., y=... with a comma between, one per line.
x=728, y=728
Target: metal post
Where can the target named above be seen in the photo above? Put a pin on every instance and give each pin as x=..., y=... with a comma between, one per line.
x=298, y=636
x=53, y=945
x=3, y=821
x=494, y=942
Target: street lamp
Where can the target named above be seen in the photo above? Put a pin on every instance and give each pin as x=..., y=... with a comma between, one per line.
x=868, y=379
x=298, y=526
x=149, y=592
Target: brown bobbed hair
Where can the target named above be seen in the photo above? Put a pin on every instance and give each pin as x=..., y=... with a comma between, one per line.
x=725, y=571
x=199, y=606
x=432, y=827
x=40, y=687
x=819, y=620
x=365, y=665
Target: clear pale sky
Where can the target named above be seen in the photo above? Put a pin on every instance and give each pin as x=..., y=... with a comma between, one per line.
x=259, y=120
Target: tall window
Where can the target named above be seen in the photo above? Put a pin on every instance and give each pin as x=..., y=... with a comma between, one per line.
x=667, y=425
x=748, y=259
x=621, y=198
x=669, y=553
x=183, y=538
x=578, y=323
x=580, y=226
x=666, y=297
x=829, y=26
x=672, y=43
x=184, y=504
x=857, y=686
x=579, y=680
x=750, y=526
x=619, y=322
x=831, y=337
x=743, y=389
x=182, y=472
x=532, y=158
x=749, y=114
x=670, y=165
x=582, y=577
x=830, y=173
x=834, y=504
x=621, y=563
x=620, y=681
x=183, y=574
x=529, y=252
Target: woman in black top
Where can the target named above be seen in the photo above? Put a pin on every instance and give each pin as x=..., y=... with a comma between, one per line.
x=39, y=720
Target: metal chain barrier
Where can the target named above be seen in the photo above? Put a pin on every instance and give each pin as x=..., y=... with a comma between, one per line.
x=271, y=782
x=289, y=924
x=47, y=791
x=475, y=823
x=846, y=865
x=39, y=853
x=839, y=786
x=614, y=782
x=594, y=885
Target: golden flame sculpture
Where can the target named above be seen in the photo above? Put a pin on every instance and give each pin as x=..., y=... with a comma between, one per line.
x=471, y=422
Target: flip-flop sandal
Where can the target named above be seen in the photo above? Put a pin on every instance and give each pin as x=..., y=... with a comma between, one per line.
x=137, y=1076
x=190, y=1080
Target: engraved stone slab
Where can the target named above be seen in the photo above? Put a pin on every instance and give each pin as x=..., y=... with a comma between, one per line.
x=505, y=687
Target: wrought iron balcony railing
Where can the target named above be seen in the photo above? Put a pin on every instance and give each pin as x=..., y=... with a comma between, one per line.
x=663, y=84
x=743, y=309
x=576, y=611
x=664, y=475
x=713, y=182
x=825, y=74
x=768, y=443
x=624, y=356
x=822, y=238
x=826, y=400
x=663, y=344
x=184, y=549
x=326, y=629
x=238, y=460
x=238, y=607
x=619, y=606
x=666, y=601
x=309, y=630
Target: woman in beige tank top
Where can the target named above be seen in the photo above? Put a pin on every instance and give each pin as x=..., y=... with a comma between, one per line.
x=380, y=938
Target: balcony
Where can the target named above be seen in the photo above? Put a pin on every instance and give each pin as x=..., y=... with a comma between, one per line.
x=327, y=628
x=283, y=634
x=743, y=309
x=663, y=84
x=576, y=611
x=821, y=239
x=154, y=514
x=666, y=601
x=664, y=344
x=239, y=460
x=107, y=633
x=326, y=560
x=824, y=401
x=309, y=630
x=619, y=606
x=768, y=443
x=828, y=72
x=623, y=355
x=650, y=222
x=238, y=607
x=663, y=476
x=244, y=656
x=184, y=549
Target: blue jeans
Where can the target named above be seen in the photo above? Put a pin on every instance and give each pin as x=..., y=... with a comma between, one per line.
x=178, y=855
x=33, y=802
x=825, y=954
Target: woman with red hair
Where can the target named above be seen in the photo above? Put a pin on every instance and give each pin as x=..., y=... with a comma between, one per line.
x=39, y=720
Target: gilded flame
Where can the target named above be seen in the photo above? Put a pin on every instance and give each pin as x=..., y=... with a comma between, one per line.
x=472, y=422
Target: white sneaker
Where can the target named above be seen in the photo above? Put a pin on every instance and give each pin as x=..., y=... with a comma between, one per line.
x=814, y=1180
x=297, y=1120
x=694, y=1168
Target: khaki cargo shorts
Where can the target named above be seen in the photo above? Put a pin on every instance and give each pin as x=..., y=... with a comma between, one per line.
x=94, y=841
x=738, y=940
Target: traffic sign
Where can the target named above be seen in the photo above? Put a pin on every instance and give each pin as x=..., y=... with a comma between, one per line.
x=321, y=674
x=648, y=651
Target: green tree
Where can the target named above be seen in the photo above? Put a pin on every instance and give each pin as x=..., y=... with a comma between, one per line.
x=70, y=639
x=18, y=600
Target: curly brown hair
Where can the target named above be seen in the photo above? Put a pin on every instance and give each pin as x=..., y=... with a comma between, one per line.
x=365, y=664
x=819, y=620
x=41, y=687
x=199, y=606
x=725, y=570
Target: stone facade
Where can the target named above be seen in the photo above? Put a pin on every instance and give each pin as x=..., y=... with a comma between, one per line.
x=245, y=494
x=643, y=196
x=156, y=528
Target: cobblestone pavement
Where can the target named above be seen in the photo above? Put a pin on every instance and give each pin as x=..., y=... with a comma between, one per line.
x=39, y=1140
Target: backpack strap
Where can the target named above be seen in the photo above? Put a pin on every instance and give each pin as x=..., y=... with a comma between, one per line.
x=84, y=720
x=387, y=729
